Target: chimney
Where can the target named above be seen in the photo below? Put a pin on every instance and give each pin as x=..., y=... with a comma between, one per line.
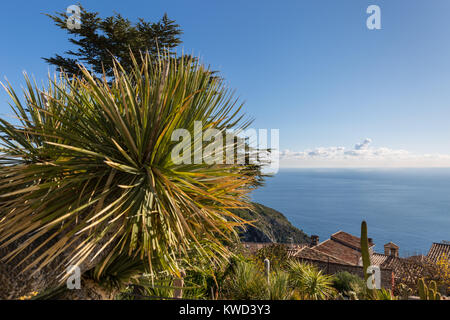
x=371, y=245
x=391, y=249
x=314, y=240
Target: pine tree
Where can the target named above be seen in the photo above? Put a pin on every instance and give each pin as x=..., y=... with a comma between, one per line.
x=99, y=40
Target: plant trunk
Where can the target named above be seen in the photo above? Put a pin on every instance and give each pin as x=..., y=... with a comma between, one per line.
x=14, y=283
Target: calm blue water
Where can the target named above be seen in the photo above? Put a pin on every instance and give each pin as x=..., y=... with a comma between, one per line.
x=410, y=207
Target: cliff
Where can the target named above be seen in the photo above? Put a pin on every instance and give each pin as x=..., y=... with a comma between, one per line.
x=270, y=226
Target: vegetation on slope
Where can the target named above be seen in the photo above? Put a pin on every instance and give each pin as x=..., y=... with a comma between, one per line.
x=269, y=226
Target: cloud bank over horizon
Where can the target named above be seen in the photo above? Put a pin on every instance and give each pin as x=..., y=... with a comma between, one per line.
x=361, y=155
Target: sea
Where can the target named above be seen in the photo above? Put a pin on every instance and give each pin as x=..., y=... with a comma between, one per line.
x=410, y=207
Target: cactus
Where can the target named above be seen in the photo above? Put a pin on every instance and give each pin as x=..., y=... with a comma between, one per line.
x=366, y=256
x=429, y=292
x=437, y=295
x=432, y=289
x=432, y=285
x=433, y=293
x=423, y=290
x=405, y=291
x=365, y=249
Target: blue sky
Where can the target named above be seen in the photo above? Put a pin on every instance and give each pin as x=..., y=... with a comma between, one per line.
x=310, y=68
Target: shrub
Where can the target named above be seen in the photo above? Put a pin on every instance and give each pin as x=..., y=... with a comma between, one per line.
x=89, y=167
x=310, y=282
x=247, y=282
x=279, y=287
x=359, y=289
x=385, y=294
x=342, y=281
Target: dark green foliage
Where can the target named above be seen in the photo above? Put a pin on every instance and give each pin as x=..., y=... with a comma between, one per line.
x=117, y=272
x=98, y=40
x=245, y=283
x=345, y=282
x=269, y=226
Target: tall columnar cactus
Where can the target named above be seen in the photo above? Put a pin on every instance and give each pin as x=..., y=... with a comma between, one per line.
x=429, y=292
x=365, y=249
x=365, y=254
x=423, y=290
x=433, y=292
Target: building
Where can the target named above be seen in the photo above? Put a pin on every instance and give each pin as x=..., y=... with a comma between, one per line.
x=391, y=249
x=438, y=250
x=390, y=258
x=342, y=252
x=343, y=246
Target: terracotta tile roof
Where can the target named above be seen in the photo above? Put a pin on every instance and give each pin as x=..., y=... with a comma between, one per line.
x=348, y=239
x=316, y=255
x=401, y=267
x=343, y=246
x=384, y=261
x=339, y=250
x=437, y=250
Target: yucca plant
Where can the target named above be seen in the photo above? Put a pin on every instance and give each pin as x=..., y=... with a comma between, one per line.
x=87, y=176
x=385, y=294
x=310, y=282
x=247, y=282
x=279, y=287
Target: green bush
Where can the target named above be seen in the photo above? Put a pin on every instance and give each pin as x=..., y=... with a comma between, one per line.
x=342, y=281
x=359, y=289
x=247, y=282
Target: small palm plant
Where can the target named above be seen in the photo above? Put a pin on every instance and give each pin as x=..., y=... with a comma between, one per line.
x=310, y=282
x=279, y=287
x=87, y=176
x=385, y=294
x=247, y=282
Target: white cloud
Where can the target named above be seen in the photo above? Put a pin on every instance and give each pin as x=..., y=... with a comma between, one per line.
x=363, y=145
x=362, y=155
